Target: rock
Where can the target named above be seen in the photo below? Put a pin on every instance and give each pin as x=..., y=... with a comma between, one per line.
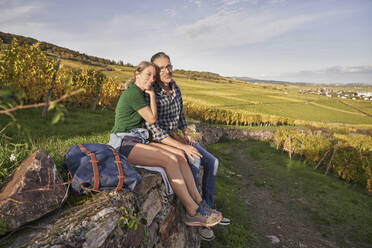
x=153, y=233
x=167, y=224
x=273, y=239
x=35, y=189
x=177, y=238
x=104, y=223
x=151, y=207
x=301, y=245
x=148, y=182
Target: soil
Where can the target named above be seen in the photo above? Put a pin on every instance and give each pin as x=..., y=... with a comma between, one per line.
x=273, y=223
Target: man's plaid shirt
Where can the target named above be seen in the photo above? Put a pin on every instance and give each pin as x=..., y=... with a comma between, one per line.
x=170, y=115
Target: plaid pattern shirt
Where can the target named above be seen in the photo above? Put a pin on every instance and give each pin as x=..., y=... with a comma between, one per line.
x=170, y=116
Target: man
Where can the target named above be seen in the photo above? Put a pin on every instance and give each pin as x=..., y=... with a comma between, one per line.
x=170, y=118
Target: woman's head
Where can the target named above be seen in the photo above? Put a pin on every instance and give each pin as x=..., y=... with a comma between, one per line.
x=144, y=75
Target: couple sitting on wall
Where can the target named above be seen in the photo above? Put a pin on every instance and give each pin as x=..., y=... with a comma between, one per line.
x=153, y=99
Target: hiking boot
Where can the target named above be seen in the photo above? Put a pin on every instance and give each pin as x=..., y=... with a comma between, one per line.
x=202, y=218
x=206, y=233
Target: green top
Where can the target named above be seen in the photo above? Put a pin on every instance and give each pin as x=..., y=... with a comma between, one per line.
x=126, y=115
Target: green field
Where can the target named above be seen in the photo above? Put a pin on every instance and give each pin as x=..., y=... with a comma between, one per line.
x=273, y=99
x=283, y=100
x=265, y=99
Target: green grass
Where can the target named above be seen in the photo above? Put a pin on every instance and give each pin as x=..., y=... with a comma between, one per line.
x=228, y=200
x=37, y=133
x=338, y=210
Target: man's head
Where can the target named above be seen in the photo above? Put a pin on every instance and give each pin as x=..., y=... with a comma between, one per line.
x=162, y=61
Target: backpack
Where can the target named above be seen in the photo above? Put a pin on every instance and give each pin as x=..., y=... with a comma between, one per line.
x=95, y=167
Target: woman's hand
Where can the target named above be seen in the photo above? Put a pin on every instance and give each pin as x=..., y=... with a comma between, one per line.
x=151, y=91
x=191, y=151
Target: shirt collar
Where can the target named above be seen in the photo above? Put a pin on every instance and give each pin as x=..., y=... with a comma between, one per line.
x=161, y=91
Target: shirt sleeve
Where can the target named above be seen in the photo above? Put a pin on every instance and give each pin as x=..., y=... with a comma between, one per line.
x=136, y=100
x=182, y=120
x=158, y=134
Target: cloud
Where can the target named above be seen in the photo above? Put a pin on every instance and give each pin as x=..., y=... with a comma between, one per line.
x=232, y=2
x=14, y=12
x=171, y=12
x=334, y=74
x=198, y=3
x=234, y=28
x=349, y=69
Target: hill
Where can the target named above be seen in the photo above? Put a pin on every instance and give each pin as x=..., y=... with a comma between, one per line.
x=298, y=102
x=56, y=51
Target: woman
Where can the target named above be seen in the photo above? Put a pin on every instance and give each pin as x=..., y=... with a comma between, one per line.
x=131, y=113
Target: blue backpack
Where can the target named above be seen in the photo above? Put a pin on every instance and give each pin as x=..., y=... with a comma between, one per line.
x=99, y=167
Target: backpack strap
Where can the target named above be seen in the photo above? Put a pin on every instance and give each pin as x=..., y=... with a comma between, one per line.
x=94, y=162
x=118, y=163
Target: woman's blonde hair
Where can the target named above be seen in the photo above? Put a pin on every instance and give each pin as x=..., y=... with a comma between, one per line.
x=140, y=67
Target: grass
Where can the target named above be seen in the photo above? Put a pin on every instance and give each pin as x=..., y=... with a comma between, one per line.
x=228, y=200
x=338, y=210
x=80, y=126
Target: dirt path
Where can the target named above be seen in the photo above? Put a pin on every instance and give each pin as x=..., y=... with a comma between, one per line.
x=274, y=224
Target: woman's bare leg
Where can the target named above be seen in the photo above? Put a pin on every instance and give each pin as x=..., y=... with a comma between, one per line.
x=152, y=156
x=185, y=170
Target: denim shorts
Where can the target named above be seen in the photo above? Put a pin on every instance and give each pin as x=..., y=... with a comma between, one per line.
x=127, y=144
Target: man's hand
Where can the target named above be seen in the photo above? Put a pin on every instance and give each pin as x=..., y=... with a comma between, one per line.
x=189, y=140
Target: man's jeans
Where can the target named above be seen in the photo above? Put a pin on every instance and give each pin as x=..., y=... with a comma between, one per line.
x=210, y=164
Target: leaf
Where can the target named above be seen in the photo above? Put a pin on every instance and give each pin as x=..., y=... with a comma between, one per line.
x=51, y=106
x=5, y=93
x=56, y=118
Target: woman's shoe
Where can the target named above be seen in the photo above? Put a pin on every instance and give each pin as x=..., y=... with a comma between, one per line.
x=225, y=221
x=202, y=218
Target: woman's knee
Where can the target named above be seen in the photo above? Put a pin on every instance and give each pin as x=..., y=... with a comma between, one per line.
x=172, y=160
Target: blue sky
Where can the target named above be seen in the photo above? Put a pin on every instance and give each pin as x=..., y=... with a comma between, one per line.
x=325, y=41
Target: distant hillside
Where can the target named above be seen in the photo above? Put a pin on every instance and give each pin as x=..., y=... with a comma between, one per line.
x=197, y=75
x=255, y=80
x=57, y=51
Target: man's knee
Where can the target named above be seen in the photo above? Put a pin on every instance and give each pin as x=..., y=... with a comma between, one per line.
x=215, y=166
x=194, y=162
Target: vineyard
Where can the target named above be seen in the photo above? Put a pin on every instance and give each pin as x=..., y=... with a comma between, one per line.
x=26, y=75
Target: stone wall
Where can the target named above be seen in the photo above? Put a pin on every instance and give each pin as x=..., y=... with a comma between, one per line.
x=143, y=218
x=212, y=134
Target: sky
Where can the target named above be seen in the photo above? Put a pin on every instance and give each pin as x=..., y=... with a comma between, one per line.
x=320, y=41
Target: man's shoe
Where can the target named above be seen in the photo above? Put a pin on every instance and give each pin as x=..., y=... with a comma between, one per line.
x=202, y=218
x=206, y=233
x=225, y=221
